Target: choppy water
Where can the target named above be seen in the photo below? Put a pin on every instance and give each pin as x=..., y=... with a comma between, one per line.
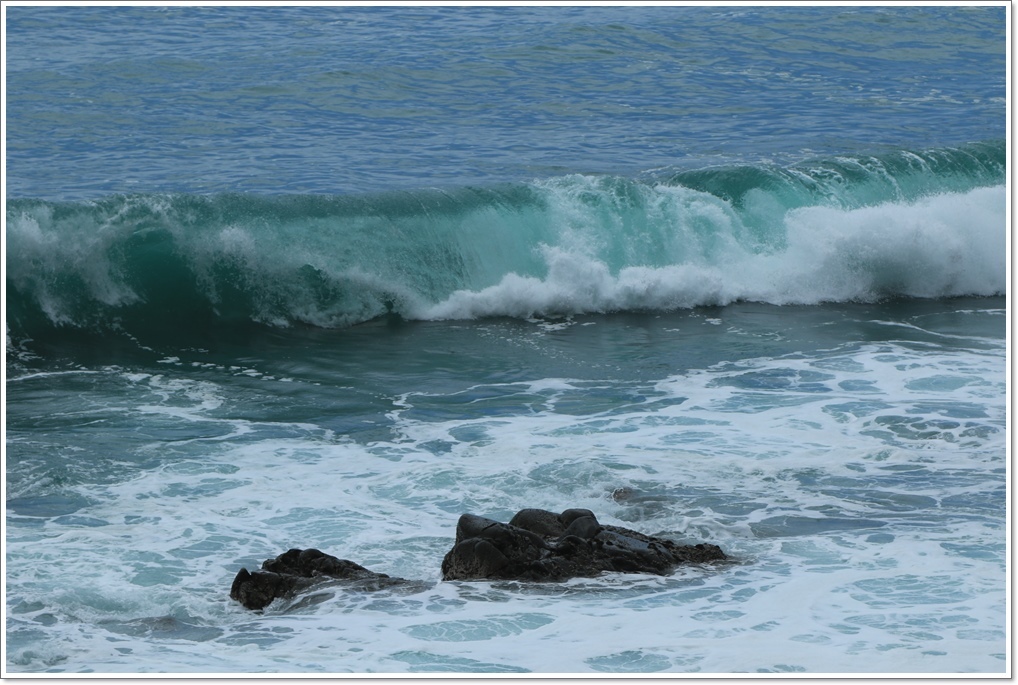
x=332, y=276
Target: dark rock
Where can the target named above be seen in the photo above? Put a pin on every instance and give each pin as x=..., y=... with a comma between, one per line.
x=536, y=545
x=299, y=570
x=539, y=521
x=541, y=545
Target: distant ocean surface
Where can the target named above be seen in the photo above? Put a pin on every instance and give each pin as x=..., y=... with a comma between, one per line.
x=330, y=276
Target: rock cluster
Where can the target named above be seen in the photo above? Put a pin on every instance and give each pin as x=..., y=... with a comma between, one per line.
x=541, y=545
x=536, y=545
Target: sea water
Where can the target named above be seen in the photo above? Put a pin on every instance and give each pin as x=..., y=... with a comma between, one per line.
x=332, y=276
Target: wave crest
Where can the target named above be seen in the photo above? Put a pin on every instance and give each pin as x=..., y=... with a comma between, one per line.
x=894, y=227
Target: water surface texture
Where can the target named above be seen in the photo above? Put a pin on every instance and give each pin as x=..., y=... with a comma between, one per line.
x=331, y=276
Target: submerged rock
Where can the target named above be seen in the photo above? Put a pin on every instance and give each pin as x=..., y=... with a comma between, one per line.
x=536, y=545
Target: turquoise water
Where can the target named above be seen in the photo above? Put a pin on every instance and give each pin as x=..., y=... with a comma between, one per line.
x=332, y=276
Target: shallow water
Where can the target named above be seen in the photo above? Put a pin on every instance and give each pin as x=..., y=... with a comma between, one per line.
x=853, y=466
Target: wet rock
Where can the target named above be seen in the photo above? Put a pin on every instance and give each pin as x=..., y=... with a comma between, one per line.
x=299, y=570
x=536, y=545
x=541, y=545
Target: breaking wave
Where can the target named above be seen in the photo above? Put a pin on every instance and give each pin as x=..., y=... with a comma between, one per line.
x=929, y=223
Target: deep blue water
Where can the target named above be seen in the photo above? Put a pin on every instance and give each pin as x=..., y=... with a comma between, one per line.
x=330, y=276
x=365, y=99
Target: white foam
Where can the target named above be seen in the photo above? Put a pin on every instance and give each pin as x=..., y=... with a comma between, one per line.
x=38, y=258
x=946, y=245
x=758, y=457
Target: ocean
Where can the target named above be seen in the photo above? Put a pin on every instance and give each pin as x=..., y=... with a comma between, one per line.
x=331, y=276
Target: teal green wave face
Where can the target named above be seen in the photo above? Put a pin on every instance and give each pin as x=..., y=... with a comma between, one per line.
x=858, y=228
x=851, y=181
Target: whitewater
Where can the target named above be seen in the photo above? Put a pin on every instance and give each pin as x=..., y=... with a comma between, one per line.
x=914, y=224
x=858, y=486
x=332, y=276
